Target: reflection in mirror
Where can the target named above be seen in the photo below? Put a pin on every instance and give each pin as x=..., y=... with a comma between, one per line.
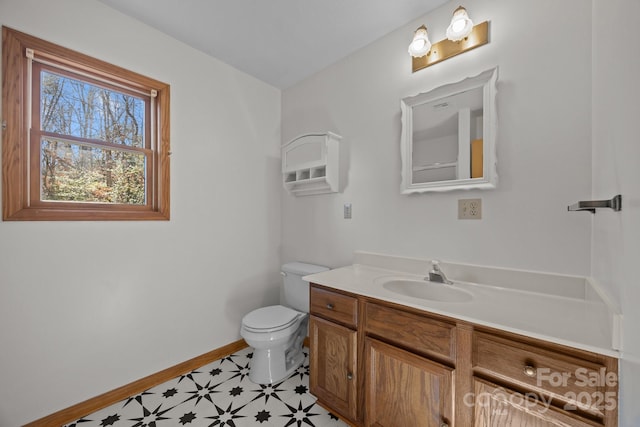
x=442, y=132
x=448, y=137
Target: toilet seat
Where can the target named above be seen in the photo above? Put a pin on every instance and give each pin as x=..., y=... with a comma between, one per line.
x=270, y=319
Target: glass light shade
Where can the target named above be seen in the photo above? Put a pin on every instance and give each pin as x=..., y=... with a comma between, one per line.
x=460, y=26
x=420, y=45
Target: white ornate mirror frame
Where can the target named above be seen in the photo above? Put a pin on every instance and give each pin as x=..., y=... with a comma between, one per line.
x=483, y=157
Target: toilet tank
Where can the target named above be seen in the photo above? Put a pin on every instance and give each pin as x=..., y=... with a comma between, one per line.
x=296, y=290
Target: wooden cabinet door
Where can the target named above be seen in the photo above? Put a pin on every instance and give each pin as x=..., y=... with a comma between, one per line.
x=333, y=375
x=496, y=407
x=403, y=389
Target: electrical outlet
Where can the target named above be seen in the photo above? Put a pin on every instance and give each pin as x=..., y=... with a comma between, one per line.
x=347, y=211
x=470, y=209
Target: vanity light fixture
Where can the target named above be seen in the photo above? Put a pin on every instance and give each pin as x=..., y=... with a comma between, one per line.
x=462, y=36
x=461, y=25
x=420, y=45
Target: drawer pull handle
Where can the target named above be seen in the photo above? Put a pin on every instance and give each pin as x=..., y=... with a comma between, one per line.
x=330, y=306
x=530, y=371
x=444, y=425
x=349, y=376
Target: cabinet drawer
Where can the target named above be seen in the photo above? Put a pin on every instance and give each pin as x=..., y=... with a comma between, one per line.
x=334, y=306
x=577, y=383
x=417, y=332
x=498, y=406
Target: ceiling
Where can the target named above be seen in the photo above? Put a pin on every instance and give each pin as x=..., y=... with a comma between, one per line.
x=280, y=42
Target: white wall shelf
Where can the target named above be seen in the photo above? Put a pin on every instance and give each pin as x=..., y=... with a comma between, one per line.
x=310, y=164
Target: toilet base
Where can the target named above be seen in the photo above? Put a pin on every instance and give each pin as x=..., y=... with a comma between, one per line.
x=266, y=366
x=272, y=365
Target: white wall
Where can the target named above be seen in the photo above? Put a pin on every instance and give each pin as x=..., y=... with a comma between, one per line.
x=544, y=146
x=616, y=170
x=89, y=306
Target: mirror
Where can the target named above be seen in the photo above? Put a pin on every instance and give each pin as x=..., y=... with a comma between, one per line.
x=448, y=136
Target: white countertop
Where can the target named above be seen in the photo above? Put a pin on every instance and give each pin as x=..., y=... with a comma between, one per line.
x=561, y=309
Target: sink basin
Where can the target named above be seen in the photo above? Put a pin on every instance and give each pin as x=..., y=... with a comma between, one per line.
x=427, y=290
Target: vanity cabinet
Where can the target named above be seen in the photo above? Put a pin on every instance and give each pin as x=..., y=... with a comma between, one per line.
x=497, y=406
x=409, y=371
x=404, y=389
x=415, y=368
x=541, y=383
x=333, y=369
x=421, y=334
x=333, y=358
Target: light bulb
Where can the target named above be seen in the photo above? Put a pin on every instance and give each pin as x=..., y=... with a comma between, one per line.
x=420, y=45
x=461, y=25
x=458, y=25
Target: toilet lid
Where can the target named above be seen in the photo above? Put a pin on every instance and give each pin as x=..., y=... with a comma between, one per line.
x=275, y=316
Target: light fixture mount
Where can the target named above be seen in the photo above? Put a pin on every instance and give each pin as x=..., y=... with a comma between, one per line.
x=446, y=48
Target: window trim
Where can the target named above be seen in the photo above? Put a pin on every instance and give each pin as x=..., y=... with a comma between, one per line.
x=16, y=194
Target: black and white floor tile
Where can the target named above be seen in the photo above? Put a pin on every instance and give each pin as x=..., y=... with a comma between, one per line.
x=219, y=394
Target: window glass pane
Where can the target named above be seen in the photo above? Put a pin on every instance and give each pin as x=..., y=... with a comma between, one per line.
x=75, y=107
x=82, y=173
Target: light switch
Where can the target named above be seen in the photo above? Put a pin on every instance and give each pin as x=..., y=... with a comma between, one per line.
x=347, y=211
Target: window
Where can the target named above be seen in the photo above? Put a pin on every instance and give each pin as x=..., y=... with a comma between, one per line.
x=82, y=139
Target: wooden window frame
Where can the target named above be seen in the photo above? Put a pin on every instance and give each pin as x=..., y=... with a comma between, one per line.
x=19, y=203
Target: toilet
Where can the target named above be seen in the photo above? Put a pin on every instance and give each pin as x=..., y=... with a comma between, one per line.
x=277, y=332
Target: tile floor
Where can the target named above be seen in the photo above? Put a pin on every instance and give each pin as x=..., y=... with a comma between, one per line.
x=219, y=394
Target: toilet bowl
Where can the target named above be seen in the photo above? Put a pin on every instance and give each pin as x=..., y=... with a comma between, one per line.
x=277, y=344
x=277, y=332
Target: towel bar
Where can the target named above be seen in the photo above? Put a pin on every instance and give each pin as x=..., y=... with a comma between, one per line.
x=592, y=205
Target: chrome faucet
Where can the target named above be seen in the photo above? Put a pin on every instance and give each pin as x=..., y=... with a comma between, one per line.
x=437, y=275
